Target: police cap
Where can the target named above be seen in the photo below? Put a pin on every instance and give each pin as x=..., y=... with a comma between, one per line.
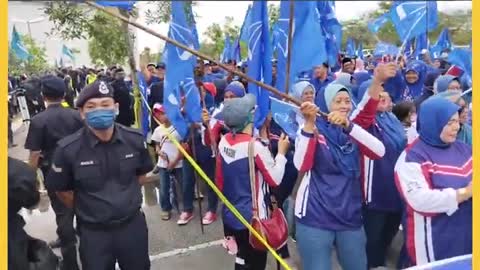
x=53, y=86
x=98, y=89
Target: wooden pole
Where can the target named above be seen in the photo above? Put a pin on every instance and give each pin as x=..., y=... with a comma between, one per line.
x=289, y=49
x=203, y=56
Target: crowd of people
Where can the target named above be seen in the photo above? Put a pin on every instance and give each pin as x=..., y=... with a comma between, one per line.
x=358, y=167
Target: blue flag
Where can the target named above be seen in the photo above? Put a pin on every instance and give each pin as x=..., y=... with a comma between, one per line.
x=16, y=45
x=227, y=50
x=179, y=74
x=68, y=53
x=410, y=18
x=463, y=59
x=331, y=29
x=246, y=25
x=284, y=114
x=443, y=42
x=375, y=25
x=383, y=48
x=350, y=50
x=237, y=53
x=408, y=48
x=145, y=121
x=305, y=55
x=259, y=59
x=280, y=37
x=127, y=5
x=360, y=50
x=421, y=43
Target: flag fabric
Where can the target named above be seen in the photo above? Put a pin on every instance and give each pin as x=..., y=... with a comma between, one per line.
x=227, y=50
x=360, y=50
x=305, y=55
x=411, y=20
x=237, y=52
x=68, y=53
x=350, y=49
x=127, y=5
x=259, y=59
x=421, y=43
x=383, y=48
x=179, y=83
x=463, y=59
x=284, y=114
x=17, y=46
x=245, y=25
x=375, y=25
x=280, y=37
x=331, y=29
x=443, y=42
x=145, y=121
x=409, y=51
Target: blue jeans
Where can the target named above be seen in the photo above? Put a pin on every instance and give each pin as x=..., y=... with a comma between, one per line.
x=165, y=186
x=315, y=248
x=189, y=185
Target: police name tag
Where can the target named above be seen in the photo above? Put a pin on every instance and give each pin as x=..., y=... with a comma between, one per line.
x=129, y=156
x=86, y=163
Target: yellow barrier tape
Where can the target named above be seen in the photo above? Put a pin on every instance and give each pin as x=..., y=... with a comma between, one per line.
x=218, y=192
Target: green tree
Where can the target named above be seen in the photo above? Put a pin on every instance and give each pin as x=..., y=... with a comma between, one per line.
x=107, y=44
x=273, y=14
x=161, y=10
x=216, y=35
x=36, y=64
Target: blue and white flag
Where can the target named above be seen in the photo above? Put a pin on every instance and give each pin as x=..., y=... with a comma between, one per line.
x=246, y=25
x=331, y=29
x=360, y=50
x=68, y=53
x=383, y=48
x=443, y=42
x=17, y=46
x=179, y=82
x=410, y=18
x=259, y=59
x=227, y=50
x=421, y=43
x=350, y=47
x=284, y=114
x=375, y=25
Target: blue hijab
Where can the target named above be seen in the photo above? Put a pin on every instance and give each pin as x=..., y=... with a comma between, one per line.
x=395, y=87
x=434, y=115
x=415, y=89
x=392, y=128
x=344, y=151
x=442, y=82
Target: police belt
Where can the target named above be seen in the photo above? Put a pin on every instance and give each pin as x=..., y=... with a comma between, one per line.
x=110, y=225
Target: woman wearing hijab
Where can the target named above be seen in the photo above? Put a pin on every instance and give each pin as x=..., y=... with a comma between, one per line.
x=434, y=178
x=382, y=203
x=447, y=83
x=329, y=199
x=465, y=132
x=233, y=178
x=415, y=75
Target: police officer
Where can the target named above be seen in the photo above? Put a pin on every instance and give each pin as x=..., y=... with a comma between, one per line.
x=99, y=172
x=24, y=251
x=46, y=129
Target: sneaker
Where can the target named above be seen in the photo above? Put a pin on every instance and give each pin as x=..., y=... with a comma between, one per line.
x=185, y=217
x=209, y=218
x=165, y=215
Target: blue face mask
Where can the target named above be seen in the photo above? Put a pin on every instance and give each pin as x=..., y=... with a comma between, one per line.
x=101, y=119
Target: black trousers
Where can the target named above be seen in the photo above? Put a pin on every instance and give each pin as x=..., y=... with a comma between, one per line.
x=247, y=258
x=126, y=244
x=65, y=230
x=380, y=228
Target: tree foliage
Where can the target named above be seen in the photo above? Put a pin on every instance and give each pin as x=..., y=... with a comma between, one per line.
x=216, y=35
x=161, y=11
x=107, y=44
x=273, y=14
x=35, y=65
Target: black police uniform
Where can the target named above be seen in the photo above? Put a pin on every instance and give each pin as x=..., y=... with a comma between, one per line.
x=107, y=193
x=121, y=95
x=24, y=251
x=45, y=130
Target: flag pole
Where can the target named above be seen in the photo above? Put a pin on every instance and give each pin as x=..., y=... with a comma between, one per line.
x=289, y=50
x=267, y=87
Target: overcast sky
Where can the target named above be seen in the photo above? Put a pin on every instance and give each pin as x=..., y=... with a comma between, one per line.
x=210, y=12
